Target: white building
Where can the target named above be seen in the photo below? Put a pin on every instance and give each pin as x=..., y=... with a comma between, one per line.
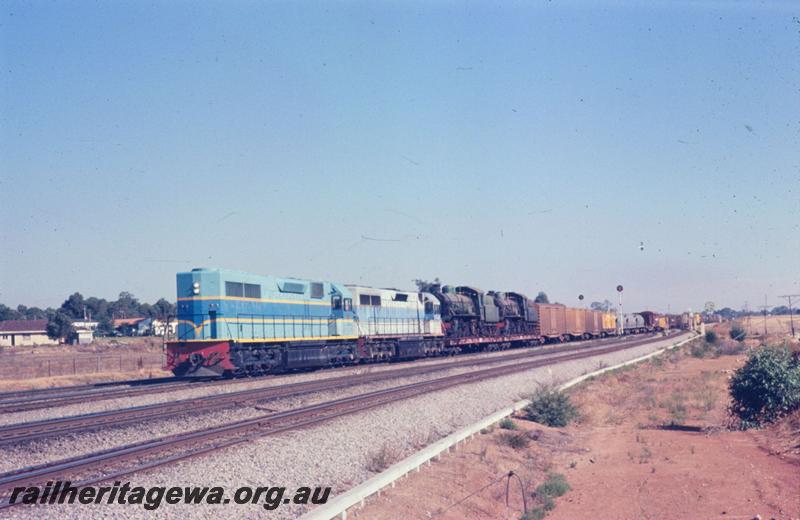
x=15, y=333
x=83, y=331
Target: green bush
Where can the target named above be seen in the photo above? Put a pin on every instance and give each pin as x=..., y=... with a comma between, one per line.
x=555, y=486
x=729, y=347
x=738, y=333
x=701, y=349
x=517, y=441
x=380, y=459
x=537, y=513
x=508, y=424
x=711, y=337
x=766, y=388
x=551, y=407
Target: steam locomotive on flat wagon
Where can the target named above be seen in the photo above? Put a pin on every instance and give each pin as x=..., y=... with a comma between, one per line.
x=232, y=323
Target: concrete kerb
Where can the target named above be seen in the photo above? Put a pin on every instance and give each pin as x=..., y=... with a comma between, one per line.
x=356, y=496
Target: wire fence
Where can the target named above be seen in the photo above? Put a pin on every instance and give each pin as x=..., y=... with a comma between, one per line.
x=18, y=366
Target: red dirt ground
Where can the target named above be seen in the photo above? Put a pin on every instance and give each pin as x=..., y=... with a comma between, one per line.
x=618, y=461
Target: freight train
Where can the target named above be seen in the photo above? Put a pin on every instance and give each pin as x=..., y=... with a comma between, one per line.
x=232, y=323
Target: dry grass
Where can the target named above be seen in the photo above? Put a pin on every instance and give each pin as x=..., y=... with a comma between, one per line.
x=696, y=398
x=8, y=385
x=776, y=325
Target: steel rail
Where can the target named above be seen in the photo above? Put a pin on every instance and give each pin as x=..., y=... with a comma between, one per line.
x=43, y=393
x=66, y=398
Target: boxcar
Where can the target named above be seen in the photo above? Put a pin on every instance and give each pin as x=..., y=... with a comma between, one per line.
x=552, y=320
x=594, y=323
x=609, y=323
x=653, y=321
x=576, y=322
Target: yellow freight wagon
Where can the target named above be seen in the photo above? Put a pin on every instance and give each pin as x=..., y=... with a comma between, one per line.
x=609, y=323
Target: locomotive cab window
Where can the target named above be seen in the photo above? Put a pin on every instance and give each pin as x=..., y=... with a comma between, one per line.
x=400, y=297
x=292, y=287
x=336, y=302
x=348, y=304
x=428, y=308
x=369, y=299
x=317, y=290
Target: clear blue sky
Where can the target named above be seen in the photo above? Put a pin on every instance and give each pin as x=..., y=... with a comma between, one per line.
x=530, y=146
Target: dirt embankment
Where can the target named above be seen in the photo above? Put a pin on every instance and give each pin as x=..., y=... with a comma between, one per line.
x=652, y=442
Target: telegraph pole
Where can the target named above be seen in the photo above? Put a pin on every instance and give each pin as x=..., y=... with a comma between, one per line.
x=791, y=319
x=747, y=315
x=766, y=308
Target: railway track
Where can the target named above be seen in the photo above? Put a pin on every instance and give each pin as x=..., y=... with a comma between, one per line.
x=110, y=464
x=32, y=431
x=57, y=390
x=81, y=394
x=27, y=400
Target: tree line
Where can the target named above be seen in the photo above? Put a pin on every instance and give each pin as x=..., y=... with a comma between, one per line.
x=730, y=314
x=76, y=307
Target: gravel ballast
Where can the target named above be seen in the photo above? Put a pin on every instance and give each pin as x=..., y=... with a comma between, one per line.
x=335, y=454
